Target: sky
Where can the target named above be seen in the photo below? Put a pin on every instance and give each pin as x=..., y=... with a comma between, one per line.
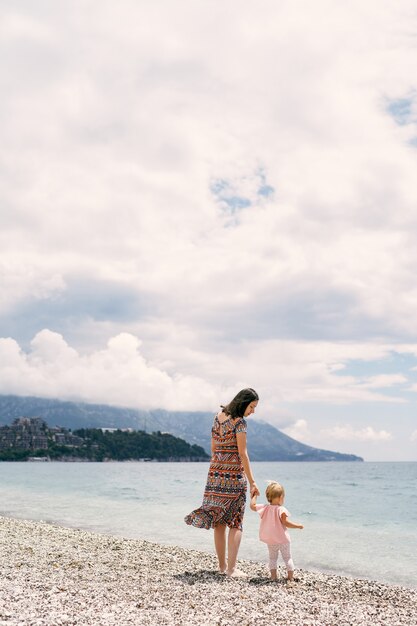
x=202, y=196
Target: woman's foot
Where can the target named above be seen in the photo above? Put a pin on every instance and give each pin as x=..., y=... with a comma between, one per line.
x=236, y=573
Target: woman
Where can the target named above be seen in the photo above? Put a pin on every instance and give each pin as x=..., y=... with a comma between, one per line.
x=225, y=494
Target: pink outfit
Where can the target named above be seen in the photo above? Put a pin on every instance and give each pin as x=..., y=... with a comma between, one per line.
x=273, y=532
x=271, y=529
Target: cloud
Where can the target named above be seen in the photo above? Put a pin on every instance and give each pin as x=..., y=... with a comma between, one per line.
x=347, y=433
x=175, y=138
x=174, y=368
x=303, y=371
x=301, y=431
x=298, y=430
x=384, y=381
x=118, y=375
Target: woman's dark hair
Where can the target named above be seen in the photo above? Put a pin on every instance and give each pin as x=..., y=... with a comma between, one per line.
x=241, y=401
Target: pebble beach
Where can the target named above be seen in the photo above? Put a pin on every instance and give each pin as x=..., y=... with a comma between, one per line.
x=52, y=575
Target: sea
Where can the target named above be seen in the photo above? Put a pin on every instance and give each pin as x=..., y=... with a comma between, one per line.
x=360, y=519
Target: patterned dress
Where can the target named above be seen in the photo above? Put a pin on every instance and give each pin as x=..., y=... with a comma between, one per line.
x=225, y=492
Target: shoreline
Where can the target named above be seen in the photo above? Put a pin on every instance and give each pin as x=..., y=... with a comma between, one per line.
x=53, y=575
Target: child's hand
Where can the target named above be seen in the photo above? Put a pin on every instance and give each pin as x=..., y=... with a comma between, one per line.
x=254, y=491
x=300, y=526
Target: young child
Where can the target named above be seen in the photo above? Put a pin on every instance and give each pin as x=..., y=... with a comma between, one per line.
x=273, y=528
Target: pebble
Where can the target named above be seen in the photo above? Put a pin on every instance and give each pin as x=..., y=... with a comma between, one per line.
x=55, y=576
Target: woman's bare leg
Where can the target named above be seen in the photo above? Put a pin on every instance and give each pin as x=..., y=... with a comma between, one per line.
x=233, y=543
x=220, y=545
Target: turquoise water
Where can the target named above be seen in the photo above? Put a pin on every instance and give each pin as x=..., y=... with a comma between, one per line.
x=360, y=518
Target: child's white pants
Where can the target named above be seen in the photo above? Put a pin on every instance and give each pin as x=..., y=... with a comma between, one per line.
x=285, y=548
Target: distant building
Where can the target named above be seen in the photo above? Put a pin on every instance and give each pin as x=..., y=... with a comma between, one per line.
x=33, y=433
x=113, y=430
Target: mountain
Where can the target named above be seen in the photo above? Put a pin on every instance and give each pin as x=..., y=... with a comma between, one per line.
x=265, y=442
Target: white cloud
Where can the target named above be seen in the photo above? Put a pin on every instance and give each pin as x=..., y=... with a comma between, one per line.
x=348, y=433
x=117, y=375
x=298, y=430
x=301, y=371
x=188, y=372
x=384, y=381
x=142, y=119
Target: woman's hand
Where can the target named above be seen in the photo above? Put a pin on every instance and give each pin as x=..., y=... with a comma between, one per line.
x=254, y=491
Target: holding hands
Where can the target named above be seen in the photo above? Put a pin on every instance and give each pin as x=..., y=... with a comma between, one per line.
x=254, y=491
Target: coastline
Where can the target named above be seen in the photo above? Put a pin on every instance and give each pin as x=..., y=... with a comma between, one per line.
x=51, y=575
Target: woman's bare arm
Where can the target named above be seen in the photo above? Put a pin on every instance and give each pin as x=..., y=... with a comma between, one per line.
x=244, y=457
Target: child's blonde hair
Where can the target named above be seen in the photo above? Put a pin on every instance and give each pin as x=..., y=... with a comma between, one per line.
x=274, y=490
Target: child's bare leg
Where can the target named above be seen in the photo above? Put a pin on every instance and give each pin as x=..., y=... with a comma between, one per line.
x=290, y=574
x=220, y=545
x=273, y=574
x=233, y=544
